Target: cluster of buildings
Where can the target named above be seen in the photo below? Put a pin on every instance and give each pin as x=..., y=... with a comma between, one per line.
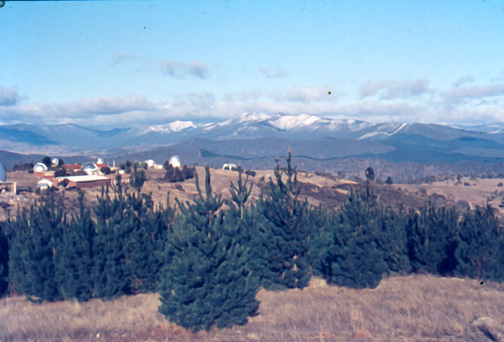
x=79, y=176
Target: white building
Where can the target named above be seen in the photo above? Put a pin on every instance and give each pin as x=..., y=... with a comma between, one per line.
x=40, y=167
x=229, y=166
x=6, y=187
x=90, y=168
x=175, y=161
x=150, y=163
x=44, y=184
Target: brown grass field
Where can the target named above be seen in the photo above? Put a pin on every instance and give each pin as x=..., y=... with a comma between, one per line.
x=414, y=308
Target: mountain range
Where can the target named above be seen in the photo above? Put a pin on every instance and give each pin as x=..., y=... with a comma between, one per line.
x=254, y=140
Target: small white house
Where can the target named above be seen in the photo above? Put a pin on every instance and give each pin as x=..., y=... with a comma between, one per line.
x=150, y=163
x=229, y=166
x=44, y=184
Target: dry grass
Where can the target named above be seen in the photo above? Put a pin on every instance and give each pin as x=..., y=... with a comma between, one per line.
x=415, y=308
x=184, y=191
x=477, y=192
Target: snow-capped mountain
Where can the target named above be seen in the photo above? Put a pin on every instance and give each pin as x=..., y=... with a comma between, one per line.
x=172, y=127
x=257, y=134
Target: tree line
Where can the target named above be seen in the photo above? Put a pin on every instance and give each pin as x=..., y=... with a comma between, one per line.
x=209, y=260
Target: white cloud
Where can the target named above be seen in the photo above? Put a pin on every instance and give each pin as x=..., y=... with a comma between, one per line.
x=182, y=70
x=270, y=73
x=395, y=89
x=119, y=57
x=85, y=109
x=8, y=96
x=474, y=92
x=384, y=101
x=305, y=94
x=463, y=80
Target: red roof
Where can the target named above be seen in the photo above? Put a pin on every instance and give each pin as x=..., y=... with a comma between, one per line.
x=72, y=166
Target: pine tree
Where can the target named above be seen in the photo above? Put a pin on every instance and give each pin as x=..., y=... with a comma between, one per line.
x=282, y=233
x=146, y=243
x=479, y=251
x=393, y=239
x=113, y=225
x=353, y=255
x=137, y=178
x=432, y=234
x=240, y=193
x=73, y=257
x=4, y=258
x=206, y=280
x=32, y=239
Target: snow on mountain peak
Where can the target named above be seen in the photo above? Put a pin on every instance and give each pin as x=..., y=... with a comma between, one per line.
x=172, y=127
x=253, y=117
x=287, y=122
x=177, y=126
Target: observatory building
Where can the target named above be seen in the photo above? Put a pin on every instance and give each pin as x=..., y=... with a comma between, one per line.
x=175, y=161
x=6, y=187
x=229, y=166
x=90, y=168
x=39, y=167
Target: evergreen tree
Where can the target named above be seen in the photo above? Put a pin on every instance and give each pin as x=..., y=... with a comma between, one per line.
x=4, y=258
x=282, y=233
x=353, y=255
x=32, y=241
x=129, y=237
x=432, y=234
x=370, y=175
x=393, y=239
x=113, y=226
x=479, y=251
x=137, y=178
x=240, y=193
x=146, y=244
x=47, y=161
x=206, y=280
x=73, y=257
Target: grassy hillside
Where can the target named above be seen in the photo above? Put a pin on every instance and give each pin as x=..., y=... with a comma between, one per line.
x=415, y=308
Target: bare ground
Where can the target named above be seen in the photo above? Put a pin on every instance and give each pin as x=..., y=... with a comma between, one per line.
x=414, y=308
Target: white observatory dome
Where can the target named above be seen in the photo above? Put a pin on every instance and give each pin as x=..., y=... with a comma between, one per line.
x=3, y=174
x=40, y=167
x=89, y=168
x=100, y=161
x=55, y=161
x=175, y=161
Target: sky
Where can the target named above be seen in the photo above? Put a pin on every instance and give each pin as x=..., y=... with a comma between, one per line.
x=106, y=64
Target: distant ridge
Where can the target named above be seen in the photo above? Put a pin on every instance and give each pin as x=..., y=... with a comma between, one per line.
x=257, y=136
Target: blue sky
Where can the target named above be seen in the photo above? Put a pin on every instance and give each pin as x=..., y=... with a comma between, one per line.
x=126, y=63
